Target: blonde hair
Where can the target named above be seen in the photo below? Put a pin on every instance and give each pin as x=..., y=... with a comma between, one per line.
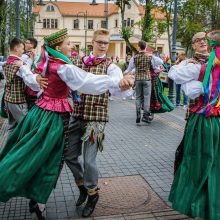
x=100, y=32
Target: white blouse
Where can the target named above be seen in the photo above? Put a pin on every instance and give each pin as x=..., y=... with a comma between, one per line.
x=187, y=75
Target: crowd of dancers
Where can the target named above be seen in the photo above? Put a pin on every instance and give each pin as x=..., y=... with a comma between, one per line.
x=46, y=130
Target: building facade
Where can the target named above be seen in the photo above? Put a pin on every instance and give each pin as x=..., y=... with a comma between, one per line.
x=82, y=19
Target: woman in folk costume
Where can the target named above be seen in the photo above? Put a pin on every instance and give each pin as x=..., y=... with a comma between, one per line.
x=31, y=158
x=196, y=187
x=159, y=101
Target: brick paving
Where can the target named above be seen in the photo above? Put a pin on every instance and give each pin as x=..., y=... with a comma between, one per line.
x=129, y=151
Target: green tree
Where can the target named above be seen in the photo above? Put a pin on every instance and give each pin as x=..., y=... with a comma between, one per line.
x=193, y=16
x=147, y=22
x=126, y=31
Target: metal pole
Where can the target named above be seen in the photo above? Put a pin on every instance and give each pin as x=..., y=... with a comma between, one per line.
x=85, y=27
x=173, y=52
x=106, y=13
x=27, y=22
x=17, y=18
x=31, y=19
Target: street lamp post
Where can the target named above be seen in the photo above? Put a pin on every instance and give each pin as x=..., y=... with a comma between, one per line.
x=173, y=52
x=94, y=3
x=17, y=18
x=106, y=13
x=85, y=27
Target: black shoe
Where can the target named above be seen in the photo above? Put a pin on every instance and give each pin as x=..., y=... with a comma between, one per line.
x=82, y=196
x=90, y=205
x=146, y=118
x=138, y=120
x=32, y=206
x=34, y=209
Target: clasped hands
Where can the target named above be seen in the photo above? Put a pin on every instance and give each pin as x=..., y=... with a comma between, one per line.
x=127, y=82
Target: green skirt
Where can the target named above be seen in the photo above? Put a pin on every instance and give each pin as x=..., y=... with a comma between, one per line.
x=196, y=187
x=3, y=109
x=30, y=160
x=159, y=101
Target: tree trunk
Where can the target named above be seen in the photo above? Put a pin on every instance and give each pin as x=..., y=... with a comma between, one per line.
x=7, y=28
x=168, y=16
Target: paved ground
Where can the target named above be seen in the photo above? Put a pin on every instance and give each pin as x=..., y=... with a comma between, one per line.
x=129, y=150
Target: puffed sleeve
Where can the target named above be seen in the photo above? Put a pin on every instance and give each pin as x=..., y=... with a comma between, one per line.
x=87, y=83
x=184, y=73
x=193, y=89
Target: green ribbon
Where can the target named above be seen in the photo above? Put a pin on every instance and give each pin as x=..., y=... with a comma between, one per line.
x=210, y=62
x=209, y=68
x=213, y=43
x=58, y=55
x=55, y=54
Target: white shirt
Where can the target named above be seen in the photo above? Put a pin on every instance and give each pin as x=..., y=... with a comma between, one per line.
x=187, y=75
x=88, y=83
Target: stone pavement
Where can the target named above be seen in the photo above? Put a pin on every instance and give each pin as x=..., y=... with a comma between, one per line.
x=146, y=151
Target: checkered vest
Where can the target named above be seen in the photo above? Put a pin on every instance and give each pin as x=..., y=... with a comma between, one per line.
x=14, y=90
x=92, y=107
x=142, y=66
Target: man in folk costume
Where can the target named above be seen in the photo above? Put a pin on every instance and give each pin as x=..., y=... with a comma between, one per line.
x=32, y=157
x=200, y=46
x=15, y=99
x=88, y=123
x=30, y=46
x=142, y=63
x=196, y=187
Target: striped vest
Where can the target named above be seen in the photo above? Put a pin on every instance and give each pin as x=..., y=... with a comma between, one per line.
x=142, y=65
x=92, y=107
x=14, y=90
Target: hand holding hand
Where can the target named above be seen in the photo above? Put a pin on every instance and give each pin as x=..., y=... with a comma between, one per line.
x=42, y=81
x=127, y=82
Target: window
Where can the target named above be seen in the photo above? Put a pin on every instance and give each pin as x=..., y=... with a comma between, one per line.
x=160, y=49
x=56, y=23
x=90, y=24
x=50, y=8
x=128, y=22
x=103, y=24
x=125, y=23
x=116, y=23
x=45, y=23
x=76, y=24
x=89, y=48
x=129, y=6
x=50, y=23
x=132, y=23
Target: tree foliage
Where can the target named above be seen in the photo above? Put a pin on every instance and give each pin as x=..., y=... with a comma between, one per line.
x=26, y=20
x=194, y=16
x=126, y=32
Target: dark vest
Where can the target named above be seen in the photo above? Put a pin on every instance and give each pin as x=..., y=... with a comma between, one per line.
x=15, y=87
